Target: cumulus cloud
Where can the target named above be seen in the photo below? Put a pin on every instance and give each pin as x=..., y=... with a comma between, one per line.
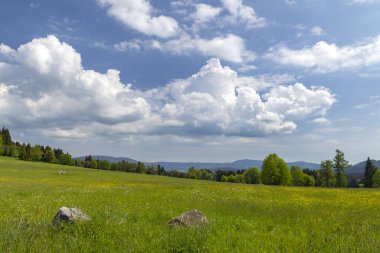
x=138, y=16
x=324, y=57
x=46, y=83
x=45, y=86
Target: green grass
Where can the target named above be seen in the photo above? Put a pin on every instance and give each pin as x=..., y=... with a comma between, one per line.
x=129, y=214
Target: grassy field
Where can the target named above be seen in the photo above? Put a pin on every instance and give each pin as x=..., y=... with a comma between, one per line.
x=129, y=214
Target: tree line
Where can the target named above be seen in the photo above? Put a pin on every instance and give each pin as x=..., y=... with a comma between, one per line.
x=274, y=170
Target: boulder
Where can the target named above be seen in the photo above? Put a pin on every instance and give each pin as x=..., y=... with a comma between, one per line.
x=189, y=219
x=70, y=215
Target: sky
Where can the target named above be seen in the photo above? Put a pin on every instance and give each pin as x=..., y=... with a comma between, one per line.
x=193, y=80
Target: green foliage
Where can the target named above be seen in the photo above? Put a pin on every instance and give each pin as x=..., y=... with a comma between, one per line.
x=309, y=181
x=340, y=164
x=104, y=165
x=65, y=159
x=94, y=164
x=6, y=136
x=206, y=175
x=370, y=170
x=140, y=168
x=231, y=179
x=36, y=153
x=275, y=171
x=49, y=155
x=23, y=155
x=326, y=177
x=14, y=151
x=376, y=179
x=224, y=178
x=1, y=145
x=192, y=173
x=252, y=176
x=298, y=177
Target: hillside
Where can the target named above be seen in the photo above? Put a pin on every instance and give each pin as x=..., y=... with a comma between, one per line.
x=183, y=166
x=130, y=212
x=236, y=165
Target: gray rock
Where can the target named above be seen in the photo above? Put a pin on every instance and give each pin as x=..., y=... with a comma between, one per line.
x=189, y=219
x=61, y=172
x=70, y=215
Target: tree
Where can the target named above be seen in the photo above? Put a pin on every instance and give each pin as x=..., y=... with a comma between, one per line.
x=340, y=164
x=275, y=171
x=1, y=145
x=232, y=179
x=94, y=164
x=309, y=180
x=370, y=170
x=252, y=176
x=104, y=165
x=49, y=155
x=326, y=176
x=7, y=139
x=354, y=183
x=14, y=151
x=23, y=155
x=65, y=159
x=376, y=179
x=298, y=177
x=36, y=153
x=192, y=173
x=140, y=167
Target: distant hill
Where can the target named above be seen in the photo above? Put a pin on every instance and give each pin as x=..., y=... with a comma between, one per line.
x=358, y=169
x=236, y=165
x=184, y=166
x=109, y=158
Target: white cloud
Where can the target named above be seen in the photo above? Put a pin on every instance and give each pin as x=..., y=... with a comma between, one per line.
x=243, y=14
x=138, y=16
x=205, y=13
x=363, y=1
x=324, y=57
x=317, y=31
x=128, y=45
x=48, y=86
x=229, y=47
x=322, y=121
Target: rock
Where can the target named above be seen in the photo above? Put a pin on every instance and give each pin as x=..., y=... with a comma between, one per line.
x=70, y=215
x=189, y=219
x=61, y=172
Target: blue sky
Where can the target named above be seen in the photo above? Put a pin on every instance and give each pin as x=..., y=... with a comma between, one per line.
x=192, y=80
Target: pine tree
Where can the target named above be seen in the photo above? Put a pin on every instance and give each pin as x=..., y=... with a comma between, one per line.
x=1, y=145
x=49, y=156
x=340, y=164
x=7, y=140
x=370, y=170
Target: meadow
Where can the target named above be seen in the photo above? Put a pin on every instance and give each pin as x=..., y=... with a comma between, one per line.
x=129, y=214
